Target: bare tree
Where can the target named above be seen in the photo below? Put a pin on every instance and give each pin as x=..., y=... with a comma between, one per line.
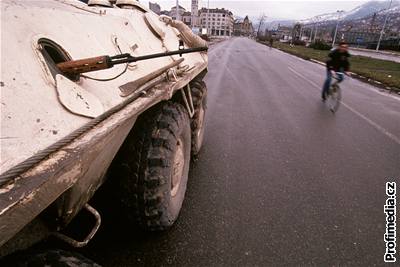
x=260, y=23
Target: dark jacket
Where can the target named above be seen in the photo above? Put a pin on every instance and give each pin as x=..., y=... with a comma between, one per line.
x=338, y=61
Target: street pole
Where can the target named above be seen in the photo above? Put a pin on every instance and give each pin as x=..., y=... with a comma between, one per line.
x=301, y=31
x=177, y=9
x=334, y=38
x=316, y=30
x=208, y=13
x=259, y=25
x=383, y=28
x=337, y=25
x=191, y=17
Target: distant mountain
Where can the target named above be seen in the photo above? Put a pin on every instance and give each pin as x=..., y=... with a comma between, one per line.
x=271, y=23
x=359, y=12
x=369, y=8
x=274, y=24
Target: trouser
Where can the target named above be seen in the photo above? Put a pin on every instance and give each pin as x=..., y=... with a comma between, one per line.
x=328, y=81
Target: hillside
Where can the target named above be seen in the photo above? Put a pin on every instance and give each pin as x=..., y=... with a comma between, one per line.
x=370, y=15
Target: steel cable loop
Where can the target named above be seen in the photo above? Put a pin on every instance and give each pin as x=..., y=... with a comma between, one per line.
x=27, y=164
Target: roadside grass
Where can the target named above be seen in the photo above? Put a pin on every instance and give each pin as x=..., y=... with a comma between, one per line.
x=386, y=72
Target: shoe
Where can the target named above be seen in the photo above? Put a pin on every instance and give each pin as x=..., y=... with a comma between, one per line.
x=323, y=99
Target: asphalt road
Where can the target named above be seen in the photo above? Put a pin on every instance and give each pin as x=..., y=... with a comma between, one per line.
x=281, y=181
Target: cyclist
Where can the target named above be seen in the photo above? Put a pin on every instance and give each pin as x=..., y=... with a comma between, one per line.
x=338, y=63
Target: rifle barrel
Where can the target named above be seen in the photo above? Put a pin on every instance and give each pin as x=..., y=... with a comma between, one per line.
x=158, y=55
x=75, y=67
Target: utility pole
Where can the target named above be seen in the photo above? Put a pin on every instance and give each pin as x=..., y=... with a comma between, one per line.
x=316, y=30
x=177, y=9
x=383, y=28
x=311, y=32
x=337, y=25
x=301, y=31
x=208, y=13
x=259, y=25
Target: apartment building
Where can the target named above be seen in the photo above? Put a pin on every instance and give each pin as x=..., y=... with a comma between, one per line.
x=217, y=21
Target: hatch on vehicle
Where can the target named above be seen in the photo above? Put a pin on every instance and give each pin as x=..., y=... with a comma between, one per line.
x=53, y=54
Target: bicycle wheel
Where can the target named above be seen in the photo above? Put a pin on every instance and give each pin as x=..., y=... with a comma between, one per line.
x=334, y=98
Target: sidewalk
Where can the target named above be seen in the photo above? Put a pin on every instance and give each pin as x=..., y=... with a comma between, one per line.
x=216, y=40
x=385, y=55
x=393, y=53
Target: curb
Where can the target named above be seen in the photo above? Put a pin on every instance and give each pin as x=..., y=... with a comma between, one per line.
x=214, y=42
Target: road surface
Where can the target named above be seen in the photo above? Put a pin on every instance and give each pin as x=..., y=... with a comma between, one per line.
x=373, y=54
x=281, y=181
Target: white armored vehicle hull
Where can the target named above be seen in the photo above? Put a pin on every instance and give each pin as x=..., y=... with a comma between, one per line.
x=60, y=133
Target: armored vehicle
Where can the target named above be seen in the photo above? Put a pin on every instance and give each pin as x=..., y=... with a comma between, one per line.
x=104, y=90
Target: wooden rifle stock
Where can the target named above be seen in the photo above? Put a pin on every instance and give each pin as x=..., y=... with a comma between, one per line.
x=85, y=65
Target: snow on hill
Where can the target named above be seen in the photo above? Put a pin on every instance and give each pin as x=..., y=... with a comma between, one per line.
x=359, y=12
x=371, y=7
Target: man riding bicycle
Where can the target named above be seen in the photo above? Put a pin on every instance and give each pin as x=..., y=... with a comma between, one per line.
x=338, y=63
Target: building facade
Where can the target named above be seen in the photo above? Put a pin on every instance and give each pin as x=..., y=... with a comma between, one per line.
x=359, y=37
x=243, y=27
x=284, y=33
x=186, y=18
x=181, y=11
x=195, y=13
x=155, y=8
x=218, y=22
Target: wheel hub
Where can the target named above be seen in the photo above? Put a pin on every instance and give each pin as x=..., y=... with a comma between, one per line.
x=200, y=130
x=178, y=167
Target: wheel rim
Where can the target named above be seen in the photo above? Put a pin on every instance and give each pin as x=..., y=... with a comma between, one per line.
x=334, y=100
x=200, y=130
x=179, y=164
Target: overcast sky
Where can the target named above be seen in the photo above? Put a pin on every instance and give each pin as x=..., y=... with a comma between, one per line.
x=289, y=9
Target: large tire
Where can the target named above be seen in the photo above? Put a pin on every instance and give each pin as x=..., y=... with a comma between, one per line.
x=199, y=96
x=51, y=258
x=154, y=167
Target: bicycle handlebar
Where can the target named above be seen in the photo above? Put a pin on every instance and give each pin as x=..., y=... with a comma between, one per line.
x=336, y=73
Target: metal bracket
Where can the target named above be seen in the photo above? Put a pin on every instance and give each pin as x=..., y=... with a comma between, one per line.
x=174, y=75
x=188, y=100
x=79, y=244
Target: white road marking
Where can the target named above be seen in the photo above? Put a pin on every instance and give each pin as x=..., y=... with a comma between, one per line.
x=368, y=120
x=382, y=93
x=305, y=78
x=374, y=124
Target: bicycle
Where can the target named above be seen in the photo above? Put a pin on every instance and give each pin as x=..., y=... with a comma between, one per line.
x=334, y=95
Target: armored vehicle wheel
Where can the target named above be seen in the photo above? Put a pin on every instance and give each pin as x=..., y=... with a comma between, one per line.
x=54, y=258
x=199, y=96
x=154, y=167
